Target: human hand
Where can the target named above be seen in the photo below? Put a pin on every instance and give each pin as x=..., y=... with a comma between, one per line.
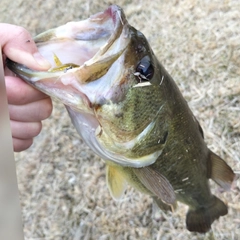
x=27, y=106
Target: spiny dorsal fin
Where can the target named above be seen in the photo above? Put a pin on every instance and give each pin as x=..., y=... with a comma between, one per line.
x=115, y=181
x=157, y=184
x=220, y=172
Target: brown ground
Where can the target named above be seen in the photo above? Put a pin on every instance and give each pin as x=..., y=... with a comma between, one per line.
x=62, y=183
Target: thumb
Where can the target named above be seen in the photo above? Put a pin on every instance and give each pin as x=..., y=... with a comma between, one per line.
x=18, y=45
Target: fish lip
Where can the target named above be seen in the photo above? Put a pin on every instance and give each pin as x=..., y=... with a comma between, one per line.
x=117, y=15
x=114, y=11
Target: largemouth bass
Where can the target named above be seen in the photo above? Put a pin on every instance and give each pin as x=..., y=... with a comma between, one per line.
x=130, y=112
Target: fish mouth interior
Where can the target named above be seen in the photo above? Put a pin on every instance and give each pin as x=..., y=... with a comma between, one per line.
x=78, y=42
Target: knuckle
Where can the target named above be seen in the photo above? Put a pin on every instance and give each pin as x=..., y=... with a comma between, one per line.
x=46, y=108
x=16, y=90
x=32, y=129
x=21, y=32
x=37, y=128
x=22, y=95
x=21, y=145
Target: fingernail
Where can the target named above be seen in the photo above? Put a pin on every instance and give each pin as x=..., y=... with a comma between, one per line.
x=41, y=60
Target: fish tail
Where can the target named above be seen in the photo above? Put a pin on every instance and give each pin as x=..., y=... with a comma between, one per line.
x=200, y=220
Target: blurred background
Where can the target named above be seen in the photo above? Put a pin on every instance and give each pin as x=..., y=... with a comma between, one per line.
x=62, y=183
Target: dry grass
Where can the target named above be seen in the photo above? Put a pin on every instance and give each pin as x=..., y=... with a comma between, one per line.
x=62, y=183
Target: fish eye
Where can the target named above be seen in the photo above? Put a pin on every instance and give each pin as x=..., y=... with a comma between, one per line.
x=144, y=69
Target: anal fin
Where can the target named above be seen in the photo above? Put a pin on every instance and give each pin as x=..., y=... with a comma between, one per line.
x=220, y=172
x=116, y=181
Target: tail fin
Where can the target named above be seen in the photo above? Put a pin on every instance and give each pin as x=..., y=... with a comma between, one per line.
x=200, y=220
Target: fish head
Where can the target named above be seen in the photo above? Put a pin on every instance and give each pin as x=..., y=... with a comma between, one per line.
x=106, y=74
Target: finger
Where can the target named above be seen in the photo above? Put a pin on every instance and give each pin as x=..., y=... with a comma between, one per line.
x=19, y=93
x=21, y=144
x=25, y=130
x=31, y=112
x=19, y=46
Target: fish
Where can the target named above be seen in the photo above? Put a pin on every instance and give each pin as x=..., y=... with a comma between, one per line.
x=130, y=112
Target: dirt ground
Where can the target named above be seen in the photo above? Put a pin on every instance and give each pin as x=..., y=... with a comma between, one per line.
x=62, y=183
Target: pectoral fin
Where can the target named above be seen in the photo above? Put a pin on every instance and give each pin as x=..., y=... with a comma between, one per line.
x=115, y=181
x=220, y=172
x=157, y=184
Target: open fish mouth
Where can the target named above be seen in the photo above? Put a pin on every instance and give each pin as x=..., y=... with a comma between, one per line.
x=92, y=72
x=80, y=53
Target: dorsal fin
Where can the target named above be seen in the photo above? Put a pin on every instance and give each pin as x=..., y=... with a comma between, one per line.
x=157, y=184
x=115, y=181
x=220, y=172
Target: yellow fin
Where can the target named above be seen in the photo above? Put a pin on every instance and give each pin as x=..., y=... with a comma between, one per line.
x=115, y=181
x=60, y=66
x=57, y=60
x=220, y=172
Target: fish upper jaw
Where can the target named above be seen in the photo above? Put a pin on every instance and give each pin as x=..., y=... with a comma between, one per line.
x=96, y=46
